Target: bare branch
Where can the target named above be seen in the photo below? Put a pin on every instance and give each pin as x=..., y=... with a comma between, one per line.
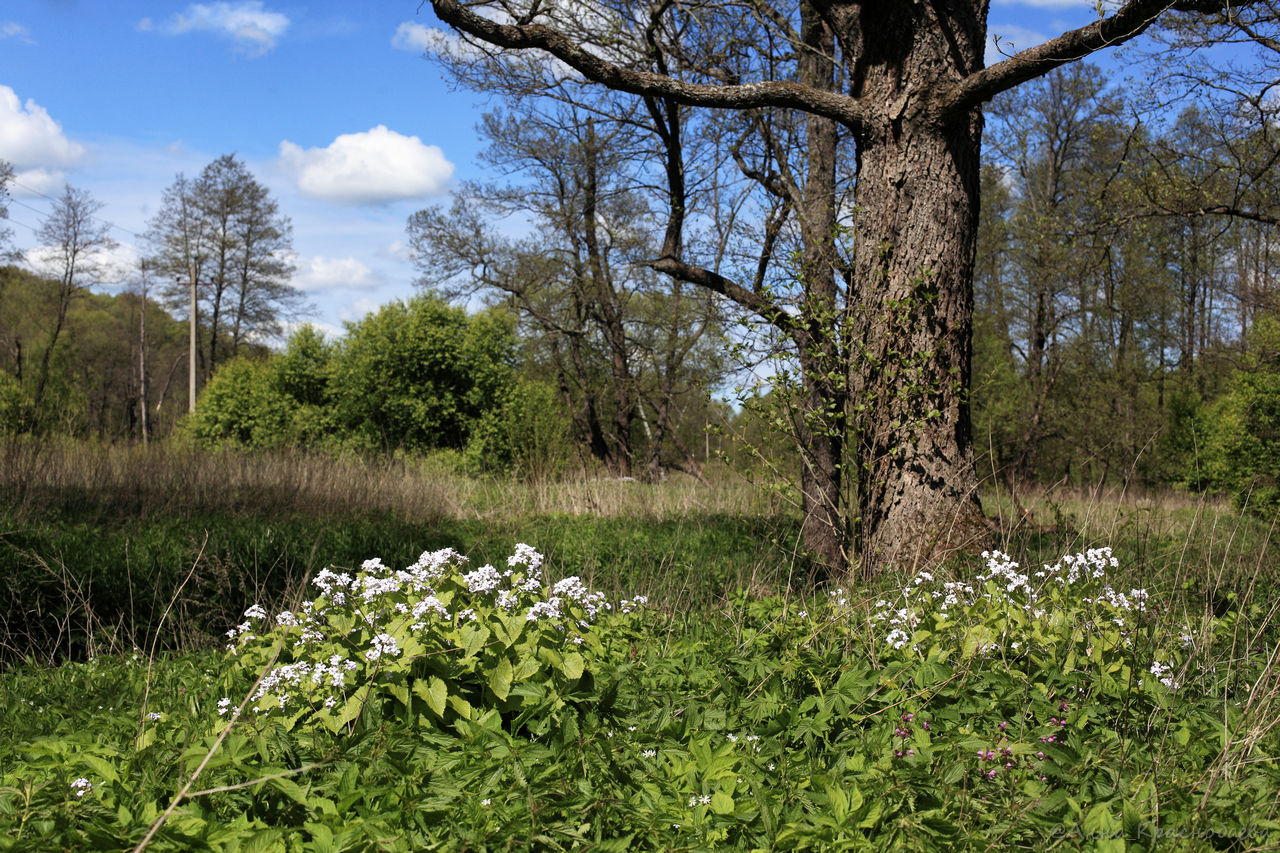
x=770, y=93
x=1126, y=23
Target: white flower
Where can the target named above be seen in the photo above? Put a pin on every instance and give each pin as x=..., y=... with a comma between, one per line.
x=383, y=644
x=153, y=716
x=255, y=612
x=81, y=786
x=650, y=753
x=224, y=705
x=486, y=802
x=484, y=579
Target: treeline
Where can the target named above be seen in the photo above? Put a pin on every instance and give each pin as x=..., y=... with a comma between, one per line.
x=1126, y=327
x=1126, y=315
x=97, y=366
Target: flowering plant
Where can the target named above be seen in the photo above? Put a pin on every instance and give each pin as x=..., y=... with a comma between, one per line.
x=432, y=641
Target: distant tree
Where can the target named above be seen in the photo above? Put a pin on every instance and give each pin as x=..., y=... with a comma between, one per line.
x=6, y=234
x=226, y=230
x=72, y=240
x=628, y=352
x=418, y=374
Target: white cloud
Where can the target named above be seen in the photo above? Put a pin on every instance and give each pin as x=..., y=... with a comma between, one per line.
x=37, y=182
x=1012, y=40
x=358, y=310
x=396, y=250
x=34, y=143
x=111, y=266
x=321, y=273
x=373, y=167
x=14, y=30
x=253, y=29
x=411, y=36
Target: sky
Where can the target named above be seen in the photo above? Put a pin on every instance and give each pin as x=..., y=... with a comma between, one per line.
x=330, y=104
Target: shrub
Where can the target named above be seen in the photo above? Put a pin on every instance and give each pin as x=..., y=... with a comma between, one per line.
x=1244, y=452
x=432, y=640
x=242, y=405
x=419, y=374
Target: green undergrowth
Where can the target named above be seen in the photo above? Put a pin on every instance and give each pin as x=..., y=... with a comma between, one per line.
x=450, y=706
x=80, y=584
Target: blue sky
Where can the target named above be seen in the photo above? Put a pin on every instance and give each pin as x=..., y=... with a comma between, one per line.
x=330, y=104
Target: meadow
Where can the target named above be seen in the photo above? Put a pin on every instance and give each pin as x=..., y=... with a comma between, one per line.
x=220, y=651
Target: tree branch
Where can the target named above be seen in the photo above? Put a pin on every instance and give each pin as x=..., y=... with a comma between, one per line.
x=769, y=93
x=756, y=303
x=1128, y=22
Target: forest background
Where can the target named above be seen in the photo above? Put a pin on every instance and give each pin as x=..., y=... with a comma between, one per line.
x=1125, y=318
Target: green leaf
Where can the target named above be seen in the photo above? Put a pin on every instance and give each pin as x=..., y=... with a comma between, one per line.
x=460, y=706
x=433, y=691
x=721, y=803
x=473, y=639
x=500, y=678
x=573, y=666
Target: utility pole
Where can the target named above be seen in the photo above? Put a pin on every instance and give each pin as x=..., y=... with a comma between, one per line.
x=191, y=393
x=142, y=357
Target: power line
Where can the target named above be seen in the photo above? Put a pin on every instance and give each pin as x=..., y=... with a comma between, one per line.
x=35, y=191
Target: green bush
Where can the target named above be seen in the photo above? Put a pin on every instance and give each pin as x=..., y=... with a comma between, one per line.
x=242, y=405
x=419, y=374
x=528, y=434
x=1244, y=446
x=15, y=406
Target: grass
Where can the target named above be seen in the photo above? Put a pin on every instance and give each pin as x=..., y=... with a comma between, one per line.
x=738, y=712
x=96, y=541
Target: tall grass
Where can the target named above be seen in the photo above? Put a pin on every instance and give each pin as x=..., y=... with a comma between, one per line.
x=110, y=482
x=95, y=541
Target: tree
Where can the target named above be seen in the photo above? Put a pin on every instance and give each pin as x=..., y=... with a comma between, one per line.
x=225, y=230
x=626, y=352
x=72, y=240
x=889, y=339
x=419, y=374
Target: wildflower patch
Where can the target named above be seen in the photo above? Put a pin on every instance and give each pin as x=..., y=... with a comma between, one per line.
x=434, y=642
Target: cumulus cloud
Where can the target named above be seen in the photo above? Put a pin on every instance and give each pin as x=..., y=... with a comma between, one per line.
x=34, y=143
x=373, y=167
x=109, y=266
x=1012, y=40
x=358, y=310
x=252, y=28
x=321, y=273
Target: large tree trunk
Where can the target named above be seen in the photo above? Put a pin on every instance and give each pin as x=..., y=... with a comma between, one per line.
x=823, y=427
x=915, y=237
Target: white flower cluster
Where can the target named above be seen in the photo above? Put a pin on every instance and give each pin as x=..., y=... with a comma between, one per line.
x=295, y=675
x=81, y=786
x=389, y=601
x=1004, y=583
x=1164, y=672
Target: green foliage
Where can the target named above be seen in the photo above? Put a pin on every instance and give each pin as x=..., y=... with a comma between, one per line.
x=1244, y=443
x=1092, y=720
x=418, y=374
x=242, y=405
x=527, y=434
x=15, y=405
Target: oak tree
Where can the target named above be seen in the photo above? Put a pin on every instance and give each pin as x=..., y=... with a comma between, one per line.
x=889, y=339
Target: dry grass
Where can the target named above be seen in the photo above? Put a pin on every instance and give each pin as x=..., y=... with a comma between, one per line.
x=174, y=480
